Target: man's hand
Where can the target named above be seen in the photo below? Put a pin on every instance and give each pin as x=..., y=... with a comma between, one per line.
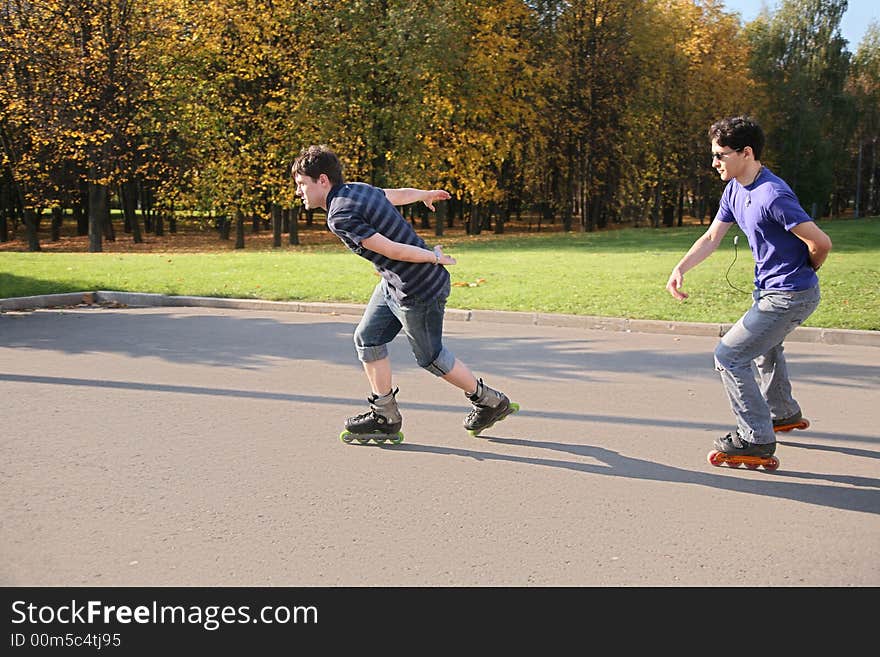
x=674, y=285
x=432, y=195
x=442, y=259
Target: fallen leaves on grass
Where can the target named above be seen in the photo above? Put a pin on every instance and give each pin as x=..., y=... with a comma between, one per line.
x=476, y=283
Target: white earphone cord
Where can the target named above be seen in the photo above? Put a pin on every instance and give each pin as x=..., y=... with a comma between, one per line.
x=726, y=274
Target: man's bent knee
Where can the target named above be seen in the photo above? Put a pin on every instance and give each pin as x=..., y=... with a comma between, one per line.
x=728, y=358
x=441, y=365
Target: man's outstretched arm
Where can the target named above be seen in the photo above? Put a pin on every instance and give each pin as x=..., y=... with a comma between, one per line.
x=407, y=195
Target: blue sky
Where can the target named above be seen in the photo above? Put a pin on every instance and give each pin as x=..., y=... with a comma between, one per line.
x=855, y=20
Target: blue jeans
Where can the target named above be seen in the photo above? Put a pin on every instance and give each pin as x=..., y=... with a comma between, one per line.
x=422, y=322
x=754, y=345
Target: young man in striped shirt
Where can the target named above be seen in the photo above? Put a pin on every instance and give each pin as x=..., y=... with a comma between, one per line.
x=411, y=295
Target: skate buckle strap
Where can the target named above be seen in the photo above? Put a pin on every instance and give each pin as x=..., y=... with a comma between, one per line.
x=361, y=416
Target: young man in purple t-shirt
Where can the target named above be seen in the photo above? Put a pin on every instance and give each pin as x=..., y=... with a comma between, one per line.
x=410, y=296
x=788, y=248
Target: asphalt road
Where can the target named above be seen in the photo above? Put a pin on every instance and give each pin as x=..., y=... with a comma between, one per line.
x=198, y=447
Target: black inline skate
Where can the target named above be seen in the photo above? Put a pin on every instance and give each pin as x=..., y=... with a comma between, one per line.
x=489, y=406
x=381, y=423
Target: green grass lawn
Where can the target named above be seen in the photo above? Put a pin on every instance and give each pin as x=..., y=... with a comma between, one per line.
x=617, y=273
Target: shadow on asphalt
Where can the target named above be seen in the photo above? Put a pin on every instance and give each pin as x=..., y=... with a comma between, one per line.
x=251, y=343
x=614, y=464
x=421, y=406
x=248, y=342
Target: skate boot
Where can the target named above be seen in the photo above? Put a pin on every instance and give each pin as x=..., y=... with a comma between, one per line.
x=796, y=421
x=734, y=451
x=490, y=406
x=382, y=422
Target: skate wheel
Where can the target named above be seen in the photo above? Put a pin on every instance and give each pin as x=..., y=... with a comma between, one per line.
x=397, y=438
x=379, y=440
x=805, y=424
x=715, y=458
x=363, y=440
x=752, y=466
x=346, y=437
x=515, y=407
x=772, y=464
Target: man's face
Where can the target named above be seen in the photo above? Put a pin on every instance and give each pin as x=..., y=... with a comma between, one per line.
x=726, y=161
x=312, y=191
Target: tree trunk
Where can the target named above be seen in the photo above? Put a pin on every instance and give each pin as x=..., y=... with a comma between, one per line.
x=596, y=210
x=487, y=217
x=668, y=212
x=106, y=221
x=440, y=218
x=858, y=182
x=6, y=205
x=501, y=219
x=566, y=216
x=57, y=219
x=873, y=196
x=295, y=212
x=655, y=208
x=126, y=217
x=97, y=207
x=128, y=199
x=475, y=221
x=146, y=207
x=276, y=224
x=680, y=205
x=239, y=229
x=80, y=210
x=224, y=226
x=32, y=227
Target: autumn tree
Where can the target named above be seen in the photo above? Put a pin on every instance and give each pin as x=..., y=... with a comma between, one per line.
x=105, y=82
x=593, y=83
x=800, y=58
x=685, y=82
x=595, y=111
x=30, y=98
x=483, y=105
x=238, y=110
x=864, y=86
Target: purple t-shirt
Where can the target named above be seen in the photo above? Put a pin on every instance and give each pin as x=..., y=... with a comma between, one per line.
x=766, y=211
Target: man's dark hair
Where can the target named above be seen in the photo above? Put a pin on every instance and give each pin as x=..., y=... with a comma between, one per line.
x=315, y=160
x=737, y=132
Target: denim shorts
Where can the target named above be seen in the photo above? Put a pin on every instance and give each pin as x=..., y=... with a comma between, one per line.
x=421, y=322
